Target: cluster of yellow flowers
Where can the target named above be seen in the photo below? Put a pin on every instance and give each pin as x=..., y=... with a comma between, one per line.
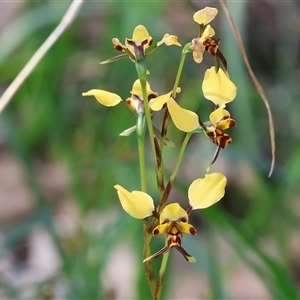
x=217, y=87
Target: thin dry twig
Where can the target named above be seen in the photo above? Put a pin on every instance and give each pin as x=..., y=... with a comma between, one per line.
x=255, y=81
x=39, y=54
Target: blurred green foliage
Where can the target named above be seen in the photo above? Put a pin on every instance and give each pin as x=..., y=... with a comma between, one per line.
x=49, y=121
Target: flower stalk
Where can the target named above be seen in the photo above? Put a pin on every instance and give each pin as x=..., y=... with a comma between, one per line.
x=140, y=130
x=176, y=83
x=159, y=216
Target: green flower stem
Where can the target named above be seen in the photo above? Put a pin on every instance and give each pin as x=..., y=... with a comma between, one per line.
x=159, y=283
x=168, y=188
x=146, y=253
x=141, y=71
x=180, y=155
x=159, y=168
x=179, y=71
x=166, y=116
x=145, y=114
x=140, y=129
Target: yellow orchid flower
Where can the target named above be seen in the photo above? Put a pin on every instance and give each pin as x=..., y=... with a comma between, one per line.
x=202, y=193
x=136, y=98
x=139, y=43
x=220, y=120
x=205, y=41
x=110, y=99
x=173, y=221
x=202, y=44
x=217, y=87
x=205, y=15
x=185, y=120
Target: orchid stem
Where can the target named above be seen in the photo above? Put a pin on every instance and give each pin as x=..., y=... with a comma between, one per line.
x=179, y=71
x=141, y=70
x=146, y=253
x=140, y=125
x=144, y=114
x=147, y=237
x=166, y=116
x=180, y=155
x=168, y=188
x=161, y=274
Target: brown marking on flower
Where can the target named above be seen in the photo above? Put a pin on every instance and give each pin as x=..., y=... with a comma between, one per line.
x=232, y=123
x=223, y=140
x=119, y=48
x=173, y=230
x=155, y=231
x=222, y=58
x=193, y=231
x=165, y=221
x=211, y=45
x=174, y=241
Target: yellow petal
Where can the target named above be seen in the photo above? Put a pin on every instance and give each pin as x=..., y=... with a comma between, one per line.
x=156, y=104
x=185, y=120
x=219, y=114
x=204, y=192
x=163, y=228
x=169, y=40
x=140, y=33
x=217, y=87
x=172, y=212
x=205, y=15
x=208, y=32
x=118, y=45
x=137, y=204
x=187, y=228
x=198, y=50
x=137, y=89
x=104, y=97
